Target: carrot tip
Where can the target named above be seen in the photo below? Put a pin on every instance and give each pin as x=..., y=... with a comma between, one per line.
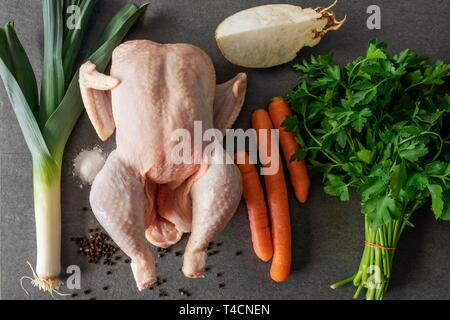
x=274, y=99
x=260, y=110
x=264, y=258
x=279, y=280
x=302, y=199
x=279, y=276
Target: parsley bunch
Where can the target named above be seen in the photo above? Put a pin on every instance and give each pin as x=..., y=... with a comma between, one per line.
x=380, y=125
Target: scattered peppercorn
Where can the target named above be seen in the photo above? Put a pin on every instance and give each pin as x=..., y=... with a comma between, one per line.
x=97, y=247
x=184, y=292
x=74, y=295
x=219, y=244
x=239, y=253
x=178, y=253
x=219, y=275
x=109, y=273
x=163, y=293
x=127, y=261
x=207, y=269
x=221, y=285
x=105, y=288
x=88, y=291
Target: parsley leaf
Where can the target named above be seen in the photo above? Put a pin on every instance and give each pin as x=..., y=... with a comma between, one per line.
x=336, y=187
x=379, y=124
x=436, y=199
x=381, y=210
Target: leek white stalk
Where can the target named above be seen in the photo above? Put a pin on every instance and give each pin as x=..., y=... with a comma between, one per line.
x=47, y=209
x=47, y=124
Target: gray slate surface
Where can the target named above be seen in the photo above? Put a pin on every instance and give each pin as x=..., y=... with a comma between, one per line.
x=328, y=234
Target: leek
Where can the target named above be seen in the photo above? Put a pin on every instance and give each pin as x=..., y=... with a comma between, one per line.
x=48, y=122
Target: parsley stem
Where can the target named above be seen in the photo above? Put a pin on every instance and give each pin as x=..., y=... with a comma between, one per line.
x=342, y=282
x=358, y=291
x=309, y=133
x=415, y=85
x=441, y=141
x=350, y=75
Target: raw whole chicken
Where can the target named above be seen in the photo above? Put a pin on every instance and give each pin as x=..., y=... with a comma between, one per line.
x=140, y=194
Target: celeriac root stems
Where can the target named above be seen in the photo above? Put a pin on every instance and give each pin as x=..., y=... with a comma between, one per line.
x=332, y=23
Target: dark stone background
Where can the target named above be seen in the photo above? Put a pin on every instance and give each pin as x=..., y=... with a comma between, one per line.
x=328, y=234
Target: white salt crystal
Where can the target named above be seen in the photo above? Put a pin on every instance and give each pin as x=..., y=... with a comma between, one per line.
x=88, y=164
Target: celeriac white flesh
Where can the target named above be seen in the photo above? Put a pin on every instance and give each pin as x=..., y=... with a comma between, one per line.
x=271, y=35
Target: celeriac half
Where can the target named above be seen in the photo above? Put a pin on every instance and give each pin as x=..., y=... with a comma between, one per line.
x=271, y=35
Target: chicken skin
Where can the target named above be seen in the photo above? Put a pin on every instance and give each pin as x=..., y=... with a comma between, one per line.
x=141, y=193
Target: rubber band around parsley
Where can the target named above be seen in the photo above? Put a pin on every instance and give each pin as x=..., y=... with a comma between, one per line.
x=379, y=125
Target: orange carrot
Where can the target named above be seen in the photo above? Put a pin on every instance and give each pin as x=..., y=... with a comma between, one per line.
x=257, y=209
x=279, y=110
x=277, y=198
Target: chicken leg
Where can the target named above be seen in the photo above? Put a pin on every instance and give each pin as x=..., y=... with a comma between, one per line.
x=119, y=203
x=212, y=210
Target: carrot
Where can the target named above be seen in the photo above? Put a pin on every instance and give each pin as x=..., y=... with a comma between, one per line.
x=257, y=209
x=277, y=198
x=279, y=110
